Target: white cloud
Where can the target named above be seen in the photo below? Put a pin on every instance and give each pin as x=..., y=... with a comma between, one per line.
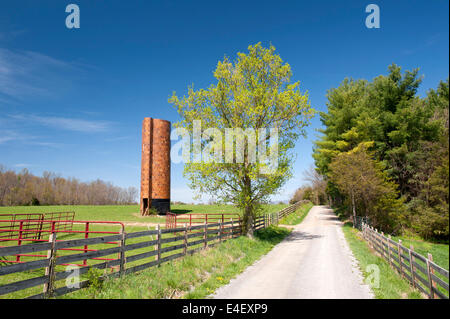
x=16, y=136
x=11, y=135
x=65, y=123
x=27, y=74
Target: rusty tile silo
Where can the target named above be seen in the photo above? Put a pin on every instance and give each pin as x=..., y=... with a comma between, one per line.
x=146, y=165
x=155, y=166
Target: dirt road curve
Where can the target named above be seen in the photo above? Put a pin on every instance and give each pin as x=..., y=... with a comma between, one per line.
x=313, y=262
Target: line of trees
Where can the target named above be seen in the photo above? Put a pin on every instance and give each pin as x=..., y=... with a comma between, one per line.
x=23, y=189
x=314, y=190
x=384, y=153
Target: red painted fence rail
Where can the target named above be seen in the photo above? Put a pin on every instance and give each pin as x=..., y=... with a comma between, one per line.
x=25, y=234
x=174, y=221
x=9, y=223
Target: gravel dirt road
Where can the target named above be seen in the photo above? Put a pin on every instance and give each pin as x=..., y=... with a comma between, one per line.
x=313, y=262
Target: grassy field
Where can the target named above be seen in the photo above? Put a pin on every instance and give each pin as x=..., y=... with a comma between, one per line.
x=195, y=276
x=297, y=217
x=6, y=279
x=113, y=213
x=392, y=286
x=130, y=213
x=440, y=252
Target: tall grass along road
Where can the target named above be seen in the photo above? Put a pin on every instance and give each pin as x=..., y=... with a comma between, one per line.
x=314, y=261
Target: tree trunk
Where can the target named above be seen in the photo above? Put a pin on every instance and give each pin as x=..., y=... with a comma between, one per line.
x=248, y=210
x=354, y=209
x=249, y=225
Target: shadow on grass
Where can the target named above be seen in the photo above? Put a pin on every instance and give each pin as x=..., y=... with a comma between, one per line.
x=272, y=234
x=349, y=224
x=180, y=211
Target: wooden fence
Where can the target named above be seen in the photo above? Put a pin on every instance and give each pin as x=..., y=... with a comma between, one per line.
x=274, y=218
x=164, y=245
x=422, y=273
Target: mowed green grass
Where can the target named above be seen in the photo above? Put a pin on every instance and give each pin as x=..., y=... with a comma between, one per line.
x=194, y=276
x=130, y=213
x=391, y=285
x=440, y=252
x=19, y=276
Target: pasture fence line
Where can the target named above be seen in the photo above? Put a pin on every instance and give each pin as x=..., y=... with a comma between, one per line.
x=32, y=225
x=157, y=247
x=175, y=220
x=266, y=220
x=421, y=272
x=26, y=234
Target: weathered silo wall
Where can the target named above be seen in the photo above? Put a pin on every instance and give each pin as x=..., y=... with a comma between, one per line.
x=155, y=166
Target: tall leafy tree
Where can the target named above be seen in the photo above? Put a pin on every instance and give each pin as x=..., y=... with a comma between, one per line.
x=252, y=92
x=409, y=134
x=385, y=111
x=366, y=185
x=430, y=209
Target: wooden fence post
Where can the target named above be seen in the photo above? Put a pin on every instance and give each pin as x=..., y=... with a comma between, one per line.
x=382, y=246
x=430, y=271
x=220, y=232
x=389, y=250
x=158, y=244
x=368, y=232
x=375, y=241
x=411, y=265
x=205, y=236
x=185, y=240
x=400, y=256
x=50, y=269
x=371, y=234
x=122, y=253
x=232, y=229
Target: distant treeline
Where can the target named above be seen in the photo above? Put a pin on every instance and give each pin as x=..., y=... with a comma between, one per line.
x=23, y=189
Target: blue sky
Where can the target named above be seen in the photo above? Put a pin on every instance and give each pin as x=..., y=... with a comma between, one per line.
x=72, y=100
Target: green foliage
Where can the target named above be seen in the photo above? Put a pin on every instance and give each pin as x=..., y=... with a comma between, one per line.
x=94, y=275
x=302, y=193
x=385, y=111
x=35, y=202
x=410, y=142
x=253, y=92
x=367, y=186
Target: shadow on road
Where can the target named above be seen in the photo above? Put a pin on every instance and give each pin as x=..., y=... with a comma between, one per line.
x=330, y=217
x=297, y=235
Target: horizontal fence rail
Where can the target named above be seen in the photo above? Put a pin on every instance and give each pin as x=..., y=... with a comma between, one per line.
x=421, y=272
x=132, y=252
x=32, y=225
x=54, y=227
x=175, y=220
